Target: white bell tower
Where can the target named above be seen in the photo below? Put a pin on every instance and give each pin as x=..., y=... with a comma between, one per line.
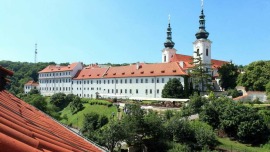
x=202, y=46
x=168, y=52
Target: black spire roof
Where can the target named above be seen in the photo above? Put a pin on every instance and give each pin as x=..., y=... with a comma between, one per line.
x=169, y=43
x=202, y=33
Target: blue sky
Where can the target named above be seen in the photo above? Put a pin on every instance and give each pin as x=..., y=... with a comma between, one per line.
x=122, y=31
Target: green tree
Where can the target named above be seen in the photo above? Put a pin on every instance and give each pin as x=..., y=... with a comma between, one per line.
x=36, y=100
x=33, y=91
x=194, y=105
x=133, y=121
x=113, y=134
x=76, y=105
x=212, y=111
x=256, y=75
x=204, y=134
x=173, y=89
x=201, y=75
x=60, y=100
x=228, y=75
x=92, y=124
x=153, y=125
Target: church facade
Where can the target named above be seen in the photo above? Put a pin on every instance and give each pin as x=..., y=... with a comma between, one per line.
x=136, y=80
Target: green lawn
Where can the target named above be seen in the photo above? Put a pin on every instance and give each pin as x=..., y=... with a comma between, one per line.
x=77, y=119
x=235, y=146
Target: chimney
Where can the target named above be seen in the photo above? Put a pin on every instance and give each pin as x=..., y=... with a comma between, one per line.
x=137, y=65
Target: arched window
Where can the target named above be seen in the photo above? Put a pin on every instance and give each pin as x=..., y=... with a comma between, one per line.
x=206, y=52
x=198, y=52
x=164, y=58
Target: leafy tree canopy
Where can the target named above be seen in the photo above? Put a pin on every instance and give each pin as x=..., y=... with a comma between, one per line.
x=173, y=89
x=256, y=75
x=228, y=76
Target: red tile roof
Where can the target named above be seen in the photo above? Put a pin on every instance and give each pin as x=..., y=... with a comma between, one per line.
x=32, y=83
x=92, y=73
x=146, y=70
x=56, y=68
x=188, y=60
x=26, y=129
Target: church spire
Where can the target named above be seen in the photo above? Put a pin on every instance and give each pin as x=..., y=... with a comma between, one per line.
x=169, y=43
x=202, y=33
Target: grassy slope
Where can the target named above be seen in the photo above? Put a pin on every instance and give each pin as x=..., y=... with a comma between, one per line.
x=72, y=119
x=227, y=144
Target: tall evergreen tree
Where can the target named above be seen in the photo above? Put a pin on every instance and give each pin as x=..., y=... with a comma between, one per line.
x=201, y=75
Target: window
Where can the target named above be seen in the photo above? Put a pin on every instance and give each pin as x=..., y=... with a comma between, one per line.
x=91, y=81
x=108, y=81
x=112, y=81
x=104, y=81
x=150, y=91
x=146, y=91
x=125, y=90
x=116, y=81
x=108, y=90
x=162, y=80
x=137, y=80
x=130, y=80
x=157, y=91
x=137, y=91
x=130, y=91
x=112, y=90
x=120, y=90
x=164, y=58
x=157, y=80
x=153, y=80
x=125, y=80
x=116, y=91
x=146, y=80
x=206, y=52
x=198, y=52
x=141, y=80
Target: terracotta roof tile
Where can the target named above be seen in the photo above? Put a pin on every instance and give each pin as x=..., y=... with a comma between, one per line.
x=92, y=73
x=32, y=83
x=188, y=61
x=56, y=68
x=146, y=70
x=25, y=128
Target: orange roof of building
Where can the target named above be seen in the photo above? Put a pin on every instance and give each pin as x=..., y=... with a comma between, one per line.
x=24, y=128
x=32, y=83
x=145, y=70
x=57, y=68
x=92, y=73
x=188, y=61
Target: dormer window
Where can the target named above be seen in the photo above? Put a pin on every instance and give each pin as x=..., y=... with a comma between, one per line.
x=162, y=71
x=174, y=71
x=151, y=71
x=132, y=72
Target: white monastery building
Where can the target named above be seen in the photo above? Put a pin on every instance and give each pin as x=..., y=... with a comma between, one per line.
x=136, y=80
